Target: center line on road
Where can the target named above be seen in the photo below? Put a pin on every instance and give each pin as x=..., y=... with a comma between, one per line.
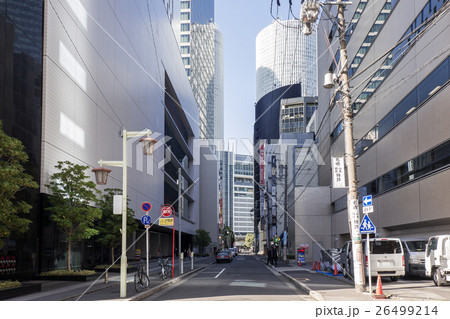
x=220, y=273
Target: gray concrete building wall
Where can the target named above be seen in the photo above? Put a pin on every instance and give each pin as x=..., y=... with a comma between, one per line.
x=209, y=199
x=418, y=205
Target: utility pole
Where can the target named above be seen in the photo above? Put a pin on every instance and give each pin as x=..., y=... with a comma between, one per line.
x=352, y=192
x=285, y=211
x=180, y=211
x=308, y=15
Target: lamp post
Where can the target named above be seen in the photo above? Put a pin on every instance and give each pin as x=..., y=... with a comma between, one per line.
x=101, y=175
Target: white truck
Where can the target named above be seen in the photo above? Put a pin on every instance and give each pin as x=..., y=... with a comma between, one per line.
x=437, y=259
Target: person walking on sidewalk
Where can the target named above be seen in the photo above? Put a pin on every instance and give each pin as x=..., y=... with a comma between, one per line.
x=269, y=255
x=274, y=254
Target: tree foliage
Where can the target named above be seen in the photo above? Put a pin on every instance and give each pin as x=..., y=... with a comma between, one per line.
x=202, y=239
x=110, y=225
x=73, y=195
x=249, y=240
x=13, y=179
x=228, y=236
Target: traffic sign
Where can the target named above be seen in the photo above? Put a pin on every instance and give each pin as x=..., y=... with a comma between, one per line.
x=367, y=200
x=367, y=209
x=166, y=211
x=367, y=226
x=146, y=206
x=146, y=220
x=166, y=222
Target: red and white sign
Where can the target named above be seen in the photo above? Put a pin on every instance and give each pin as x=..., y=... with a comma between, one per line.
x=166, y=211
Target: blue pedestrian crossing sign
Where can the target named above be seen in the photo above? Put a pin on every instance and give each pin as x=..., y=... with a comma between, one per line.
x=367, y=200
x=367, y=226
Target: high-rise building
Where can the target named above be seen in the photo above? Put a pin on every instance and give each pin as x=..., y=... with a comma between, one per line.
x=285, y=56
x=201, y=47
x=243, y=196
x=69, y=85
x=237, y=192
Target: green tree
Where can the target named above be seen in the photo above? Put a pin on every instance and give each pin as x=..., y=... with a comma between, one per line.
x=73, y=194
x=202, y=239
x=249, y=240
x=13, y=179
x=228, y=235
x=110, y=225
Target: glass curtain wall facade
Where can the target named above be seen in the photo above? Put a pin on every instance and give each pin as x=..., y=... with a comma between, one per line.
x=201, y=47
x=285, y=56
x=21, y=24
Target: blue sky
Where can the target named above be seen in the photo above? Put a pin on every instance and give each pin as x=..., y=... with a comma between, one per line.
x=240, y=21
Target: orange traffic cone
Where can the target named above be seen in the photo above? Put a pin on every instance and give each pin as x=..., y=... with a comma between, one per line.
x=314, y=265
x=379, y=292
x=318, y=266
x=335, y=270
x=299, y=262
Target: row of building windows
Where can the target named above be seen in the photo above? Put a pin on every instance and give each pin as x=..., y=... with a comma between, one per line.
x=436, y=80
x=185, y=16
x=418, y=167
x=371, y=36
x=430, y=8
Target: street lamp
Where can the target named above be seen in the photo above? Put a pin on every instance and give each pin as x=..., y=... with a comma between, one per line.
x=101, y=176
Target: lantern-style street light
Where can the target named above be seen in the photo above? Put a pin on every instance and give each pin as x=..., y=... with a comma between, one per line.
x=101, y=176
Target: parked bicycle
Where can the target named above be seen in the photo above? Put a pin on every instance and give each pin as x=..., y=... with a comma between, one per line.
x=141, y=280
x=165, y=268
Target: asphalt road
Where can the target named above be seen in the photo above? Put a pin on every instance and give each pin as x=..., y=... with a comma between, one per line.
x=244, y=279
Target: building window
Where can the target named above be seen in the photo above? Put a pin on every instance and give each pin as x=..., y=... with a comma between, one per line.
x=185, y=38
x=185, y=27
x=185, y=49
x=186, y=61
x=185, y=16
x=185, y=4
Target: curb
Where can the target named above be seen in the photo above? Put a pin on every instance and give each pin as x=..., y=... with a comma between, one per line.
x=314, y=294
x=156, y=289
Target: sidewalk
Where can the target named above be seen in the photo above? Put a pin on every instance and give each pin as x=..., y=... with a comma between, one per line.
x=99, y=290
x=324, y=286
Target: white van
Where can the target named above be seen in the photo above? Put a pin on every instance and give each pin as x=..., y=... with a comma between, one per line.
x=386, y=258
x=437, y=259
x=414, y=250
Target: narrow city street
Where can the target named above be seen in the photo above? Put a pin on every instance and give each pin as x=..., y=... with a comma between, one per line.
x=244, y=279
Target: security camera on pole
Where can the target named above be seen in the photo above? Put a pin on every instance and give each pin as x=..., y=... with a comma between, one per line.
x=308, y=15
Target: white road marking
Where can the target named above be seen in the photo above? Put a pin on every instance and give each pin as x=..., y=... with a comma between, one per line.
x=220, y=273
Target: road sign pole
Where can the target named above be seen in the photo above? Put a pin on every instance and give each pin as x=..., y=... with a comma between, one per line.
x=368, y=260
x=147, y=254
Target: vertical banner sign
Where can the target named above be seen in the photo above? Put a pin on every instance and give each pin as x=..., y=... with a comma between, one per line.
x=354, y=218
x=337, y=166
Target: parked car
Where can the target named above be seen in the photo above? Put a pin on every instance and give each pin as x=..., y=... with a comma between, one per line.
x=437, y=259
x=386, y=258
x=414, y=250
x=223, y=255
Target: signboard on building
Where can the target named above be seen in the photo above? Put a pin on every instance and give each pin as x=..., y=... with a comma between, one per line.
x=337, y=166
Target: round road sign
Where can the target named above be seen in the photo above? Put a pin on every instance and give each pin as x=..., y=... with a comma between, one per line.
x=146, y=220
x=146, y=206
x=166, y=211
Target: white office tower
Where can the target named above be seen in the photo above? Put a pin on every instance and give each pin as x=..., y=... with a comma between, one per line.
x=201, y=47
x=284, y=56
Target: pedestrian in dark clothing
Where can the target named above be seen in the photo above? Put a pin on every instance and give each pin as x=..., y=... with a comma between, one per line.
x=269, y=255
x=274, y=254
